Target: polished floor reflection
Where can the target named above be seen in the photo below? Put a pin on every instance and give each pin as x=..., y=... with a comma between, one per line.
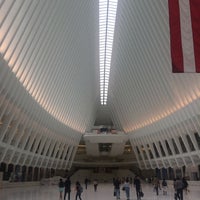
x=104, y=192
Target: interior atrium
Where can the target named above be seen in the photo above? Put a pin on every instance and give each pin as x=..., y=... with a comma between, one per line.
x=89, y=85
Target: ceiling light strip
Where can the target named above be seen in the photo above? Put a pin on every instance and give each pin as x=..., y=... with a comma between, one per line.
x=107, y=17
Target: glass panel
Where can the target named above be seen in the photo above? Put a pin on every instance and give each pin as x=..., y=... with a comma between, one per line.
x=168, y=148
x=190, y=143
x=197, y=139
x=138, y=151
x=107, y=16
x=105, y=147
x=144, y=153
x=162, y=150
x=150, y=153
x=175, y=147
x=156, y=151
x=182, y=145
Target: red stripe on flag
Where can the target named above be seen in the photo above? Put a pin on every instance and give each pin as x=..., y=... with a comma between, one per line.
x=195, y=19
x=175, y=34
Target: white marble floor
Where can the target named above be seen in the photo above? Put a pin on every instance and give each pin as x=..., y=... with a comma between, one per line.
x=104, y=192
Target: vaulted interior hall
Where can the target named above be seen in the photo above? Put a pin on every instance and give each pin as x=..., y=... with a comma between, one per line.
x=98, y=89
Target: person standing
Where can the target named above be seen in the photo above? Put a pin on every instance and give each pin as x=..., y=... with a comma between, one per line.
x=86, y=183
x=67, y=188
x=156, y=183
x=79, y=190
x=137, y=184
x=126, y=188
x=117, y=188
x=61, y=187
x=95, y=185
x=164, y=187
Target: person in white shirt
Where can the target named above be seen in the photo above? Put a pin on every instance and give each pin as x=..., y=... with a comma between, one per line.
x=126, y=187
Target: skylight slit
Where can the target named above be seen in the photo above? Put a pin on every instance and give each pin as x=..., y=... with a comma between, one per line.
x=107, y=15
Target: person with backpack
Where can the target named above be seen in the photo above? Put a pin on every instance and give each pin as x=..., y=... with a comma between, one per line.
x=185, y=185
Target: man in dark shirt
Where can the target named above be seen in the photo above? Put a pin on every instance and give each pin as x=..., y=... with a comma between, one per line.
x=86, y=183
x=178, y=186
x=117, y=188
x=137, y=185
x=67, y=188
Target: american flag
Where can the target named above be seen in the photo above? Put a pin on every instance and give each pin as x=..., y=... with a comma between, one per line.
x=184, y=21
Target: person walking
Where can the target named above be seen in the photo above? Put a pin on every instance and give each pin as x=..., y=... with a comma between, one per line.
x=178, y=186
x=79, y=190
x=61, y=187
x=126, y=188
x=137, y=184
x=117, y=188
x=67, y=188
x=185, y=185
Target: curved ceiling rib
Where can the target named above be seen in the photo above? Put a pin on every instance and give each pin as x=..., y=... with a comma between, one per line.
x=143, y=90
x=51, y=47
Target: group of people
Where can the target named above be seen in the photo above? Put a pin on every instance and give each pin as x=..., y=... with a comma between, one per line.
x=95, y=183
x=126, y=187
x=179, y=186
x=66, y=188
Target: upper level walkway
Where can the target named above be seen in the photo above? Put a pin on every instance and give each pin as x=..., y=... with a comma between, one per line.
x=104, y=192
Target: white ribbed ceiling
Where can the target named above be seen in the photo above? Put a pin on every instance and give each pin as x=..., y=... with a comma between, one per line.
x=52, y=47
x=142, y=88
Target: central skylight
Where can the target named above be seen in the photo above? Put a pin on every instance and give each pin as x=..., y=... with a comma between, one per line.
x=107, y=16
